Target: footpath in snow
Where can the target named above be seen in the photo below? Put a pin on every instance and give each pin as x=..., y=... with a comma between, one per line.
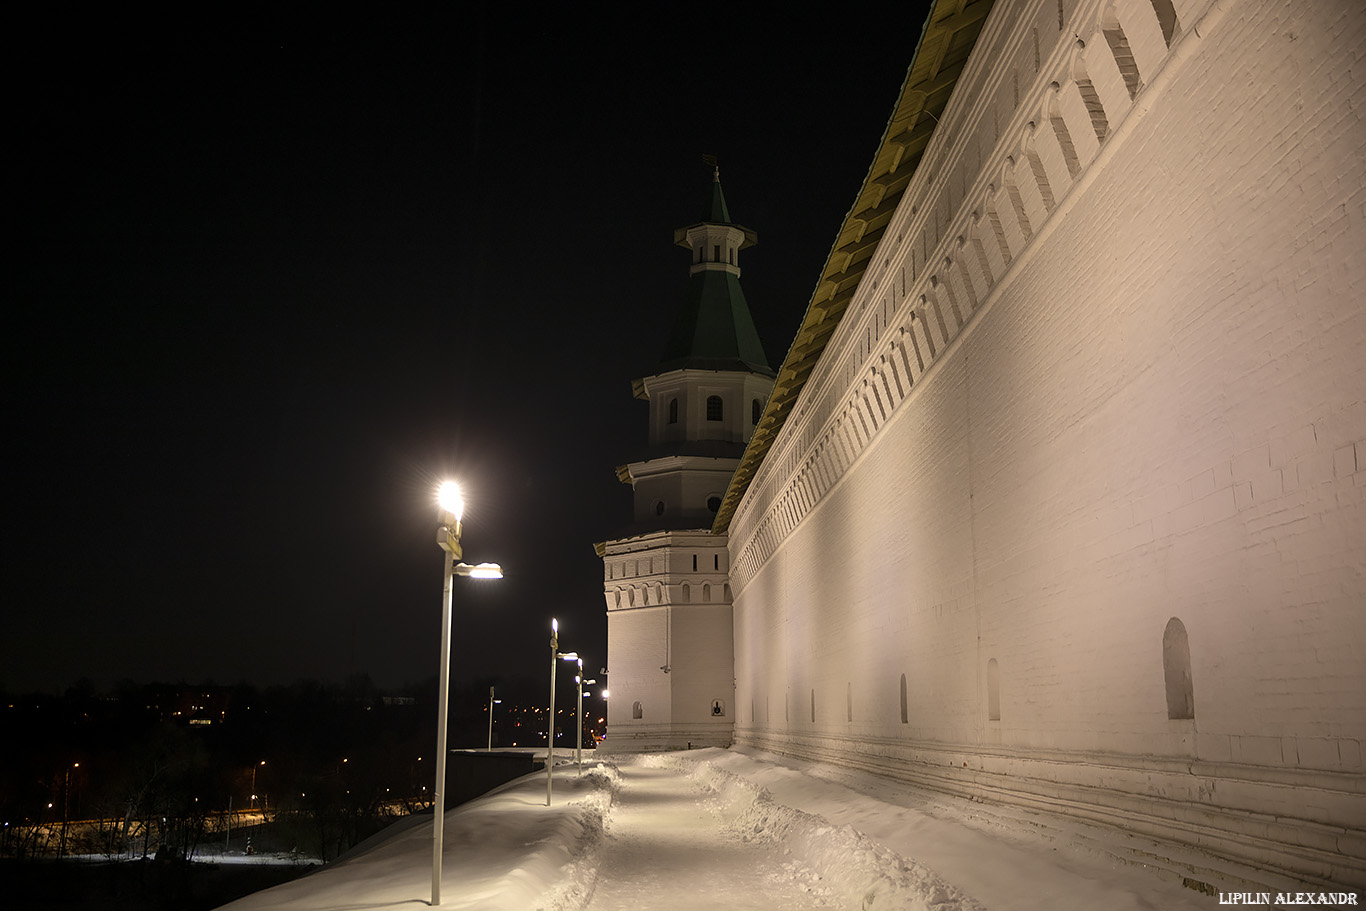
x=713, y=829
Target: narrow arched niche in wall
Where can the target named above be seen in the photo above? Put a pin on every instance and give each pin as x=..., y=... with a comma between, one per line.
x=813, y=706
x=993, y=691
x=673, y=411
x=905, y=715
x=687, y=593
x=637, y=711
x=1176, y=669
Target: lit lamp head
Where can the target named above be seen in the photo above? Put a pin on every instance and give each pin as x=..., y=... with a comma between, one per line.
x=452, y=507
x=448, y=497
x=479, y=570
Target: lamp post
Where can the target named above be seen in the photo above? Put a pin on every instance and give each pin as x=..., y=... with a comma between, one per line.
x=448, y=537
x=253, y=782
x=555, y=655
x=492, y=703
x=578, y=754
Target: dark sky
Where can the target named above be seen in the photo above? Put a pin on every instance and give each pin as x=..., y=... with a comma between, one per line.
x=275, y=275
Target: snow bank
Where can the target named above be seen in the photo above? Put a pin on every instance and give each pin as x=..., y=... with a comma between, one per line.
x=505, y=851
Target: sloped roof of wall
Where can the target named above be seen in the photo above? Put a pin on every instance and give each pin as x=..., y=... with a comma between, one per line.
x=946, y=40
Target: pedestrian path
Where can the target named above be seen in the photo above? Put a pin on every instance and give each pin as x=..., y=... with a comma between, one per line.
x=666, y=849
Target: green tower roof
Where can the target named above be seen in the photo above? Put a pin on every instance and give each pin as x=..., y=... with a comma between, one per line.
x=714, y=329
x=717, y=213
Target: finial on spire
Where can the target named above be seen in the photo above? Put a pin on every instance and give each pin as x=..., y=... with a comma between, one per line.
x=716, y=168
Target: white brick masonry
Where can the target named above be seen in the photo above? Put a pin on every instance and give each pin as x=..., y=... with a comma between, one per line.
x=1108, y=370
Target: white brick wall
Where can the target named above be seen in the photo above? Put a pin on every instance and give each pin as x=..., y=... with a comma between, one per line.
x=1157, y=410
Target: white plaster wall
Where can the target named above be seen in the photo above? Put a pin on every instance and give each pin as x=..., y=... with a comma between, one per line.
x=1157, y=409
x=635, y=651
x=692, y=637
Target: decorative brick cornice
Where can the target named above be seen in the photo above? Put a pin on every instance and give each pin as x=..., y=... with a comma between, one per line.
x=981, y=194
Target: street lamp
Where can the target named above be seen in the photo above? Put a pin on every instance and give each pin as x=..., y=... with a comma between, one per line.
x=448, y=537
x=555, y=655
x=492, y=703
x=578, y=747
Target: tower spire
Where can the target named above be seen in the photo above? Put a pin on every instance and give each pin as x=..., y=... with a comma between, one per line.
x=714, y=329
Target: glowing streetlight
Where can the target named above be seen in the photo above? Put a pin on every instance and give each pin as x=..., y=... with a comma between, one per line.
x=555, y=655
x=578, y=746
x=448, y=538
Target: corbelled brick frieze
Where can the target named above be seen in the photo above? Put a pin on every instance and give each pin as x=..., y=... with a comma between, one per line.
x=1015, y=142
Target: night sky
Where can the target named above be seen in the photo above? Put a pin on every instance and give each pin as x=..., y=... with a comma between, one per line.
x=275, y=275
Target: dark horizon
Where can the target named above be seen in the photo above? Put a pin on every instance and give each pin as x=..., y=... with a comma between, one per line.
x=278, y=278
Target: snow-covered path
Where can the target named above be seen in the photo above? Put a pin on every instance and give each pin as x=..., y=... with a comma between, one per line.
x=730, y=829
x=666, y=849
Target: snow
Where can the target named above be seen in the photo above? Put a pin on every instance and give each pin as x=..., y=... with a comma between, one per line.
x=723, y=829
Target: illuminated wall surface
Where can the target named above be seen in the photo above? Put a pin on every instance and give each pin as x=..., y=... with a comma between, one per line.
x=1107, y=370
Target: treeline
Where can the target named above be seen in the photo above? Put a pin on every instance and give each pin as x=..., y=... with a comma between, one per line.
x=155, y=769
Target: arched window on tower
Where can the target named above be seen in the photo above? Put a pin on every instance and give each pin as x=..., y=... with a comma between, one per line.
x=713, y=407
x=756, y=411
x=673, y=411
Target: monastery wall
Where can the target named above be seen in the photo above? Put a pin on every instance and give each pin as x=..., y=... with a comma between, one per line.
x=1070, y=514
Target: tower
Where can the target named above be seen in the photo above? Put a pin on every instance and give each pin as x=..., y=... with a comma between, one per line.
x=669, y=619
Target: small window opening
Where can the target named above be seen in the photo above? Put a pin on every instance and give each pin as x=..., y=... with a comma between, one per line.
x=637, y=711
x=1176, y=669
x=905, y=715
x=756, y=411
x=714, y=503
x=713, y=407
x=813, y=705
x=716, y=252
x=694, y=562
x=659, y=508
x=715, y=558
x=673, y=411
x=993, y=691
x=718, y=708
